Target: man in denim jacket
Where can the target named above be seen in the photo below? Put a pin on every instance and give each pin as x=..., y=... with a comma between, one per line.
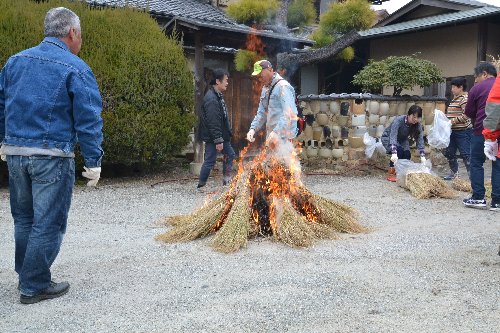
x=49, y=100
x=277, y=107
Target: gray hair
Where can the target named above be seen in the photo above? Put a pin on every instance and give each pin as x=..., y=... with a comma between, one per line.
x=59, y=21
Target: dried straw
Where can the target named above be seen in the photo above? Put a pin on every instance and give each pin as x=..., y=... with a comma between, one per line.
x=292, y=228
x=340, y=217
x=426, y=185
x=236, y=228
x=462, y=185
x=198, y=224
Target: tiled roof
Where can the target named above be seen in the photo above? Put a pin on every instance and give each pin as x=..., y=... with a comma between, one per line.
x=471, y=3
x=196, y=12
x=431, y=21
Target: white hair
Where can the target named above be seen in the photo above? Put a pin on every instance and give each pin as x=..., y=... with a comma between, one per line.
x=59, y=21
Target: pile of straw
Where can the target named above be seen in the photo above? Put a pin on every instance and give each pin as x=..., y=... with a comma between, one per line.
x=265, y=199
x=426, y=185
x=462, y=185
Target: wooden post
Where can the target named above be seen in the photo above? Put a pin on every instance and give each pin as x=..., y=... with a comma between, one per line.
x=199, y=77
x=482, y=40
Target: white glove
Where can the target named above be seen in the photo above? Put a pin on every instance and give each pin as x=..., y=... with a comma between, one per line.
x=394, y=158
x=491, y=149
x=93, y=174
x=422, y=159
x=250, y=135
x=4, y=158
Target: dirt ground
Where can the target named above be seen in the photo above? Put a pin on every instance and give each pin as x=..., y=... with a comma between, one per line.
x=426, y=266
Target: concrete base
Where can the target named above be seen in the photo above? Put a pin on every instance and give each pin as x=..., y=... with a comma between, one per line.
x=195, y=168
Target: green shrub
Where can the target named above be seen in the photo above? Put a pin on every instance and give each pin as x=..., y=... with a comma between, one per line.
x=147, y=88
x=341, y=18
x=252, y=11
x=244, y=60
x=301, y=13
x=346, y=54
x=403, y=72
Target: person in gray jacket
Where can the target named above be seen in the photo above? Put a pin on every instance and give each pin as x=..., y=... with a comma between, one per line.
x=215, y=129
x=277, y=109
x=396, y=138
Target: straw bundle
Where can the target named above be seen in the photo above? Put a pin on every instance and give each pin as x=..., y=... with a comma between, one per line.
x=196, y=225
x=292, y=228
x=462, y=185
x=237, y=226
x=426, y=185
x=340, y=217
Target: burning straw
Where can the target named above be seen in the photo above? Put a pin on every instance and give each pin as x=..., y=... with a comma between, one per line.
x=425, y=185
x=266, y=198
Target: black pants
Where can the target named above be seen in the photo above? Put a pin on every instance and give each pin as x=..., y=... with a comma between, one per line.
x=402, y=155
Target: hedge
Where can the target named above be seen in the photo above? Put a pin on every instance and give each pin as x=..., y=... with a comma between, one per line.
x=145, y=82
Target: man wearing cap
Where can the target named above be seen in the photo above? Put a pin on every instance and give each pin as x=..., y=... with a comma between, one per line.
x=276, y=107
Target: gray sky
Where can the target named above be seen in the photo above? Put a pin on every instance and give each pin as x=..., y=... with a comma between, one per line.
x=393, y=5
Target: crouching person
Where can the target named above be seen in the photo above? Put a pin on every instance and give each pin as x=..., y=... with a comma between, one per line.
x=49, y=99
x=396, y=138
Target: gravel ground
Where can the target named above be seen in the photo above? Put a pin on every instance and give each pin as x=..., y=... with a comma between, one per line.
x=427, y=266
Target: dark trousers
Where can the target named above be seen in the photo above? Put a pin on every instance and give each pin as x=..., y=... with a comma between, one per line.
x=210, y=158
x=459, y=140
x=402, y=155
x=477, y=159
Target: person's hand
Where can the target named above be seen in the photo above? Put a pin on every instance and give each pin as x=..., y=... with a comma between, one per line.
x=422, y=159
x=3, y=157
x=394, y=158
x=219, y=146
x=272, y=139
x=491, y=149
x=93, y=174
x=250, y=135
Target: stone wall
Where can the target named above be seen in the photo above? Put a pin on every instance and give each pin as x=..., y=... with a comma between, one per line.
x=335, y=125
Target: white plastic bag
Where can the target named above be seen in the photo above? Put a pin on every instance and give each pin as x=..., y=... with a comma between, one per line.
x=405, y=167
x=371, y=145
x=439, y=134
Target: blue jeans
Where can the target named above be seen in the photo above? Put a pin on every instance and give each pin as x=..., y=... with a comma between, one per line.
x=211, y=156
x=40, y=197
x=477, y=159
x=459, y=140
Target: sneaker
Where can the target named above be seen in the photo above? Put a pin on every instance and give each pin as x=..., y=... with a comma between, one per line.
x=53, y=291
x=391, y=175
x=226, y=181
x=470, y=202
x=495, y=206
x=451, y=176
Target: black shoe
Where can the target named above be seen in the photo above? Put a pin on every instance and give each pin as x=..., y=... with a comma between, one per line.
x=495, y=207
x=470, y=202
x=451, y=176
x=200, y=185
x=53, y=291
x=226, y=181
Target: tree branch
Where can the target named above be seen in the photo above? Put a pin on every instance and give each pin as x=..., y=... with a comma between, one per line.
x=291, y=61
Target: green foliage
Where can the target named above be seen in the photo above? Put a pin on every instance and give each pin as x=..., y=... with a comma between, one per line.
x=346, y=54
x=321, y=38
x=403, y=72
x=244, y=60
x=147, y=88
x=301, y=13
x=252, y=11
x=341, y=18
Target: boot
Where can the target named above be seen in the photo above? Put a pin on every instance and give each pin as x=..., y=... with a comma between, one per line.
x=391, y=174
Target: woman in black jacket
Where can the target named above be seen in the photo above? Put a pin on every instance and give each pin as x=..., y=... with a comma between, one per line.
x=215, y=129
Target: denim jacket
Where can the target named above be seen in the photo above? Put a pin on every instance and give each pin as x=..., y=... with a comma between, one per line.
x=49, y=99
x=281, y=115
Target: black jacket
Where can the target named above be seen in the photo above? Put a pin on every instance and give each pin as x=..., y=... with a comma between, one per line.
x=214, y=124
